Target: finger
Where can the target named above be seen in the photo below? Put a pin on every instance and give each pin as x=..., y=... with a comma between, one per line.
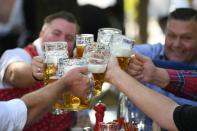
x=133, y=72
x=139, y=77
x=38, y=69
x=135, y=67
x=82, y=70
x=38, y=64
x=141, y=57
x=135, y=61
x=75, y=53
x=38, y=59
x=85, y=78
x=39, y=76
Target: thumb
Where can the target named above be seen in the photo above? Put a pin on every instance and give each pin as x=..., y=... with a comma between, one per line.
x=141, y=57
x=83, y=69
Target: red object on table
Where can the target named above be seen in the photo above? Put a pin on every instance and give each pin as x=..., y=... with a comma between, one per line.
x=120, y=121
x=100, y=111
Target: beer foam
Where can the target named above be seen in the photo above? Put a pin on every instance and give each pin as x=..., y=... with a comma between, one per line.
x=96, y=68
x=54, y=77
x=68, y=68
x=122, y=51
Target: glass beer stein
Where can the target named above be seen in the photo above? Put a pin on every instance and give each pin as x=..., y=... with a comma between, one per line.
x=82, y=40
x=121, y=47
x=97, y=59
x=53, y=51
x=71, y=102
x=105, y=34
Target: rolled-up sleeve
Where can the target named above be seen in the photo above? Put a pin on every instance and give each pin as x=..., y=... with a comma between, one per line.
x=8, y=58
x=13, y=115
x=183, y=83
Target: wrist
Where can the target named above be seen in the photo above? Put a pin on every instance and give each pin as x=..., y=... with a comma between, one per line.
x=36, y=79
x=57, y=87
x=114, y=75
x=63, y=84
x=161, y=77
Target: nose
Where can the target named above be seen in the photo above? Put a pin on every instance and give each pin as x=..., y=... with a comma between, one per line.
x=177, y=42
x=61, y=38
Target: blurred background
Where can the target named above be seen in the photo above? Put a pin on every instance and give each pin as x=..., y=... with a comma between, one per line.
x=21, y=20
x=141, y=20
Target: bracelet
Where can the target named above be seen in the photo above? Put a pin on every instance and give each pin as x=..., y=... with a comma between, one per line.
x=35, y=77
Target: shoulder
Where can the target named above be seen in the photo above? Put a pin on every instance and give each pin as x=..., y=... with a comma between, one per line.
x=150, y=50
x=157, y=46
x=16, y=54
x=14, y=115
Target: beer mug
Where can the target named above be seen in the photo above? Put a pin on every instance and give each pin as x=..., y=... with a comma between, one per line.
x=71, y=102
x=53, y=51
x=105, y=34
x=82, y=40
x=121, y=47
x=97, y=59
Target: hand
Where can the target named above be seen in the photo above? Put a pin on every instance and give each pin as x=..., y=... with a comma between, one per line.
x=75, y=53
x=113, y=69
x=38, y=68
x=141, y=68
x=77, y=81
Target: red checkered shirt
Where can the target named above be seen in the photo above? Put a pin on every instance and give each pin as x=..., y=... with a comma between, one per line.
x=183, y=83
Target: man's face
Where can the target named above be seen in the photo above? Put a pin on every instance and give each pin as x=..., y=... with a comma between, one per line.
x=60, y=30
x=181, y=41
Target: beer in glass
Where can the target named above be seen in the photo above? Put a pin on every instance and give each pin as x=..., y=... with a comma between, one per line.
x=82, y=40
x=98, y=71
x=53, y=51
x=72, y=102
x=97, y=59
x=121, y=47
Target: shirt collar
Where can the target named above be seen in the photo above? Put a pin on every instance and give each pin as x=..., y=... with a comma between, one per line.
x=37, y=44
x=162, y=55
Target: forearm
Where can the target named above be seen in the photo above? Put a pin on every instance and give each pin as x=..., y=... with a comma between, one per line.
x=19, y=74
x=156, y=106
x=40, y=101
x=160, y=77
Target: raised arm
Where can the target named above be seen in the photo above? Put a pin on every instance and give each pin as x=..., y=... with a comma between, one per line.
x=156, y=106
x=19, y=74
x=23, y=74
x=39, y=101
x=179, y=82
x=142, y=68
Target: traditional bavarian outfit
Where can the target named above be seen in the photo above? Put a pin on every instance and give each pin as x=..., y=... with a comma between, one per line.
x=48, y=122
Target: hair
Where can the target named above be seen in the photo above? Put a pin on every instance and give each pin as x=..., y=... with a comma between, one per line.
x=63, y=14
x=184, y=14
x=60, y=15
